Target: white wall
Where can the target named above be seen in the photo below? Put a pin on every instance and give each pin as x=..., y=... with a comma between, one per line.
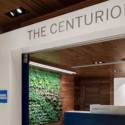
x=14, y=43
x=119, y=91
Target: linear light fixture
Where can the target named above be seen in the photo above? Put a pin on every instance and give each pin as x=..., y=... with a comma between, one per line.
x=110, y=63
x=50, y=67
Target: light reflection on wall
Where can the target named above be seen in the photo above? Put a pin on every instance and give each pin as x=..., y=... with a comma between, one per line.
x=119, y=91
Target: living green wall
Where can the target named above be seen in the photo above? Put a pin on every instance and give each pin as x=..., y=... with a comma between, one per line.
x=44, y=103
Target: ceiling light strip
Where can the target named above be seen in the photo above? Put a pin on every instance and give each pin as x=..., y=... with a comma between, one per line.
x=50, y=67
x=99, y=64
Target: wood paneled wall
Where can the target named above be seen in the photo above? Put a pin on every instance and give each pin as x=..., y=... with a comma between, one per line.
x=69, y=9
x=95, y=91
x=77, y=95
x=1, y=31
x=111, y=91
x=66, y=95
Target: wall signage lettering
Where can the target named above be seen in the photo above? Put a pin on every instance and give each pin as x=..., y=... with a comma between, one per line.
x=79, y=21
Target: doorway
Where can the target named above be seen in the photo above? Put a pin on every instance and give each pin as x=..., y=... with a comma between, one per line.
x=85, y=76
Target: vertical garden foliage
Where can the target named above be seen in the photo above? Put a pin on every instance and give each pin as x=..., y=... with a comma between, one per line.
x=44, y=103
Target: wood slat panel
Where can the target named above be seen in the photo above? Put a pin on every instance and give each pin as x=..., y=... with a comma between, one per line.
x=105, y=94
x=64, y=11
x=98, y=93
x=91, y=96
x=110, y=51
x=68, y=104
x=66, y=95
x=77, y=99
x=39, y=10
x=111, y=91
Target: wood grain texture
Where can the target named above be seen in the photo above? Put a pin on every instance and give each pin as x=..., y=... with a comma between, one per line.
x=1, y=31
x=94, y=91
x=111, y=91
x=110, y=51
x=39, y=10
x=77, y=99
x=76, y=95
x=82, y=4
x=91, y=96
x=66, y=95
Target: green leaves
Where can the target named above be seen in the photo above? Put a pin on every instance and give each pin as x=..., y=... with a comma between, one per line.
x=44, y=103
x=44, y=79
x=40, y=111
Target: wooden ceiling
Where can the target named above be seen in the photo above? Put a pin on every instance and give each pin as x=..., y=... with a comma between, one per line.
x=39, y=10
x=110, y=51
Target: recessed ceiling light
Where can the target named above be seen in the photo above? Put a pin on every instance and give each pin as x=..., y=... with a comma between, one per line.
x=117, y=71
x=50, y=67
x=12, y=13
x=98, y=62
x=19, y=10
x=16, y=12
x=95, y=62
x=123, y=59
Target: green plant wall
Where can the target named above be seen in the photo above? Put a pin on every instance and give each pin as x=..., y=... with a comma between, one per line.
x=44, y=103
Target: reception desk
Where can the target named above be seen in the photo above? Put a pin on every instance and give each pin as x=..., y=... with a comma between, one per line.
x=87, y=118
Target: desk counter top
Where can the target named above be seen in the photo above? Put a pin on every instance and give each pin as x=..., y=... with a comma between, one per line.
x=79, y=111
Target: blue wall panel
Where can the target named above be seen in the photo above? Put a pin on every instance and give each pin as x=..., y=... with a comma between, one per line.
x=25, y=95
x=3, y=96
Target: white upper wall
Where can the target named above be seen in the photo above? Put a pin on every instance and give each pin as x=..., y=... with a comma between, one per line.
x=119, y=91
x=113, y=20
x=13, y=44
